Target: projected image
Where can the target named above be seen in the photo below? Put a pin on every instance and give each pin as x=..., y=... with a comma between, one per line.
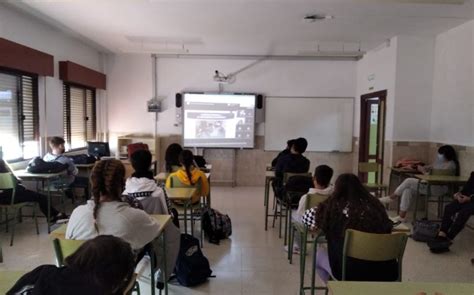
x=212, y=120
x=210, y=129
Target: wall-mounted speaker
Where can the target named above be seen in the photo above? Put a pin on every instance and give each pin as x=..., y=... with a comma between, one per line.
x=259, y=109
x=179, y=100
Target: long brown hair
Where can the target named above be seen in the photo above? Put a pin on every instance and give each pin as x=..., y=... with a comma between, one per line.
x=352, y=206
x=106, y=260
x=107, y=179
x=186, y=159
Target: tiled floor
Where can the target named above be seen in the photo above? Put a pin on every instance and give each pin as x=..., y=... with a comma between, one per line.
x=252, y=261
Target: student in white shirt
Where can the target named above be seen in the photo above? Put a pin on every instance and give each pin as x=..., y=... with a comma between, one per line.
x=106, y=214
x=322, y=185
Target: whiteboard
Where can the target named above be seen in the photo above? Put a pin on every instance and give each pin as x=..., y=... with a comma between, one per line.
x=327, y=123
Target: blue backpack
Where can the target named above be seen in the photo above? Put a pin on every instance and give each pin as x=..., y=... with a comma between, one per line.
x=192, y=267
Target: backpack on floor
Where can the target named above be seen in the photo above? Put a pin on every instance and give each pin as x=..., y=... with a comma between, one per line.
x=192, y=267
x=38, y=165
x=424, y=231
x=216, y=225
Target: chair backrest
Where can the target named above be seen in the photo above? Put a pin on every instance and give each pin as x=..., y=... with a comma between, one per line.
x=444, y=172
x=175, y=182
x=64, y=248
x=7, y=181
x=366, y=167
x=374, y=247
x=288, y=175
x=313, y=200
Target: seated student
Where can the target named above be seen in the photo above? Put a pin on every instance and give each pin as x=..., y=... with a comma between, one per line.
x=446, y=160
x=322, y=185
x=294, y=162
x=284, y=152
x=25, y=195
x=172, y=156
x=458, y=212
x=106, y=214
x=351, y=206
x=103, y=265
x=141, y=186
x=190, y=175
x=57, y=154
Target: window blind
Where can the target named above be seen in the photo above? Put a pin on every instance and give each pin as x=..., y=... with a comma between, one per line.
x=18, y=116
x=79, y=115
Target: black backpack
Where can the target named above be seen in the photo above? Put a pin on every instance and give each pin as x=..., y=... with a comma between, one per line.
x=192, y=267
x=424, y=231
x=216, y=226
x=38, y=165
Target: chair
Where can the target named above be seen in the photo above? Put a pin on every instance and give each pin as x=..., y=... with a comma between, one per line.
x=285, y=203
x=8, y=182
x=377, y=187
x=64, y=248
x=374, y=247
x=312, y=201
x=176, y=183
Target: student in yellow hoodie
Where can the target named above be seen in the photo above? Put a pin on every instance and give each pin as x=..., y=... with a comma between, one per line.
x=190, y=175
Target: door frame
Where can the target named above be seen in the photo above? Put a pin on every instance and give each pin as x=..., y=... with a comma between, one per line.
x=363, y=132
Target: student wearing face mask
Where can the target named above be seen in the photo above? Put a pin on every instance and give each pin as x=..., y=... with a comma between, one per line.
x=446, y=160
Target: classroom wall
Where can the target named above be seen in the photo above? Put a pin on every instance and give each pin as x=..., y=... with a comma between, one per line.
x=26, y=30
x=452, y=117
x=130, y=85
x=453, y=88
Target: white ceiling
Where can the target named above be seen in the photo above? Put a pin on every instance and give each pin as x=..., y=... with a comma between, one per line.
x=245, y=26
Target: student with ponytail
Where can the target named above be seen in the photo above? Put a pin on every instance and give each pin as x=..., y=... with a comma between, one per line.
x=190, y=175
x=106, y=214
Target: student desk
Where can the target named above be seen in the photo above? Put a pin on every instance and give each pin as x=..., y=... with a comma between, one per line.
x=395, y=288
x=162, y=220
x=183, y=195
x=8, y=279
x=41, y=177
x=429, y=180
x=269, y=177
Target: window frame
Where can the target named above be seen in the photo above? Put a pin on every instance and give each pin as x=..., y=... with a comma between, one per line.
x=67, y=113
x=20, y=114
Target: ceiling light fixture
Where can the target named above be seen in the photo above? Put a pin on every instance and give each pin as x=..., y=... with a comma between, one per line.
x=311, y=18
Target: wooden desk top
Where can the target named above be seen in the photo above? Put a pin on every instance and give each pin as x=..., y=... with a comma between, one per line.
x=23, y=174
x=180, y=193
x=395, y=288
x=8, y=279
x=445, y=179
x=161, y=219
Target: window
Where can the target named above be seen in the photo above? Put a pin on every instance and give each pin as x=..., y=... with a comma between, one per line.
x=18, y=115
x=79, y=115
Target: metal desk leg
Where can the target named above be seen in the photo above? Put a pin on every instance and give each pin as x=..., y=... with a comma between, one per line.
x=428, y=196
x=416, y=200
x=165, y=269
x=186, y=217
x=48, y=218
x=267, y=184
x=192, y=219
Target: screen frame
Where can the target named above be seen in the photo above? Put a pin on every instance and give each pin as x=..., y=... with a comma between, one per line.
x=219, y=93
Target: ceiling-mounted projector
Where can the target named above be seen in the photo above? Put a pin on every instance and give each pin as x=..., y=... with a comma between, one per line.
x=221, y=78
